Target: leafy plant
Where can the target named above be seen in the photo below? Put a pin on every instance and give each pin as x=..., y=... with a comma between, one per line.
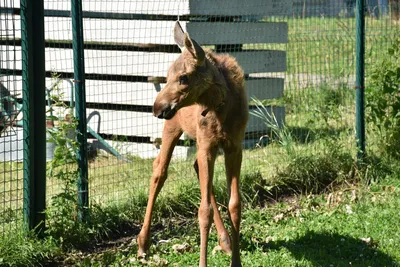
x=383, y=100
x=63, y=168
x=279, y=131
x=328, y=101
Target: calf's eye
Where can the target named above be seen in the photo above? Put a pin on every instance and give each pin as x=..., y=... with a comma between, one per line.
x=183, y=80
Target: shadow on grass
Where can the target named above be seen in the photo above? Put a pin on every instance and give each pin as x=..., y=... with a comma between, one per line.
x=331, y=249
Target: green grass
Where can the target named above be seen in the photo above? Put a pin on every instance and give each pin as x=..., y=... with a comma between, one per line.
x=355, y=226
x=18, y=248
x=326, y=46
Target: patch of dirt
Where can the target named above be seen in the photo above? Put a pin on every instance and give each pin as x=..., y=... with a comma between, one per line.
x=124, y=241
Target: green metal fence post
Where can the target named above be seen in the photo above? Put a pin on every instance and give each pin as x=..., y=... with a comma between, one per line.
x=34, y=113
x=360, y=73
x=80, y=106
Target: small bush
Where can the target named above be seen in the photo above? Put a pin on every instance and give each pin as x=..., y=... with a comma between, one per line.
x=383, y=101
x=323, y=102
x=310, y=170
x=313, y=172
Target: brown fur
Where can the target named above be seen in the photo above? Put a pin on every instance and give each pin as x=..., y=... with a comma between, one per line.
x=210, y=105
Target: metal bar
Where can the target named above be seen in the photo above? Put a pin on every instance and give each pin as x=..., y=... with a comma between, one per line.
x=105, y=144
x=360, y=73
x=80, y=107
x=34, y=114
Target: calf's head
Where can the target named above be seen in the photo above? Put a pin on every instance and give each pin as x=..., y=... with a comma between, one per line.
x=187, y=79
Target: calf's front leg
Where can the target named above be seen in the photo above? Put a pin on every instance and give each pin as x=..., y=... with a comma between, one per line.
x=223, y=235
x=170, y=137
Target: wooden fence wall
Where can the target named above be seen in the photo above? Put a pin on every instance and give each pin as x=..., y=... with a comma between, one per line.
x=129, y=46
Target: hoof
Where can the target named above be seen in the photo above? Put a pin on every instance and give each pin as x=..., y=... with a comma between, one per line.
x=141, y=254
x=143, y=247
x=225, y=243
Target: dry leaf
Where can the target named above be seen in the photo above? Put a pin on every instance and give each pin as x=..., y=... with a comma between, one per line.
x=353, y=196
x=329, y=200
x=269, y=239
x=348, y=209
x=366, y=240
x=180, y=248
x=278, y=217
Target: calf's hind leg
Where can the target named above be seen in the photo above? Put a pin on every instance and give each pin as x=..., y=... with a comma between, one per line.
x=233, y=161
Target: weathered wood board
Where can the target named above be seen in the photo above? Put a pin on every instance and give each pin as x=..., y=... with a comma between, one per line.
x=160, y=32
x=177, y=7
x=141, y=63
x=256, y=124
x=140, y=149
x=125, y=123
x=128, y=93
x=145, y=124
x=265, y=88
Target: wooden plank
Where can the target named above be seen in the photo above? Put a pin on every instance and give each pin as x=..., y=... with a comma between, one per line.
x=97, y=61
x=161, y=32
x=257, y=8
x=145, y=93
x=267, y=88
x=140, y=149
x=128, y=93
x=13, y=148
x=178, y=7
x=121, y=92
x=141, y=63
x=144, y=124
x=107, y=92
x=238, y=33
x=125, y=123
x=256, y=124
x=12, y=145
x=261, y=60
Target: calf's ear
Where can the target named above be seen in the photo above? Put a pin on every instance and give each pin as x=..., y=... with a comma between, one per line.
x=195, y=49
x=179, y=35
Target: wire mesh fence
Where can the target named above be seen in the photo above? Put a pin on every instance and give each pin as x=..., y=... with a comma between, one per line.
x=10, y=132
x=298, y=58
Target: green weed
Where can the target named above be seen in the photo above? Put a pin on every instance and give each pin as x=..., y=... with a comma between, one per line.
x=383, y=101
x=25, y=249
